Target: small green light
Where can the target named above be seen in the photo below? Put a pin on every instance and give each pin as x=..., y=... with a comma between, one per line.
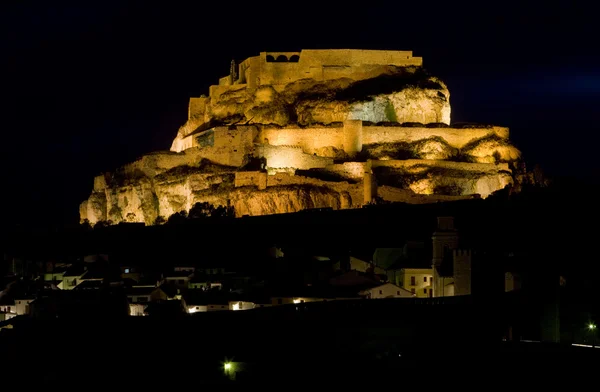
x=592, y=326
x=227, y=366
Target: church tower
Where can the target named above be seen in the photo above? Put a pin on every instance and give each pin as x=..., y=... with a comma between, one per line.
x=445, y=240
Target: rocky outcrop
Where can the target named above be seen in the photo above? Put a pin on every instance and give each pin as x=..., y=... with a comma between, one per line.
x=371, y=132
x=407, y=96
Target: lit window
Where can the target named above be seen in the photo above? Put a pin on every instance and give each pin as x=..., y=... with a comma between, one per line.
x=126, y=270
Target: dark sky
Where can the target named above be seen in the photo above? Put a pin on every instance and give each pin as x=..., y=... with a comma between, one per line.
x=88, y=86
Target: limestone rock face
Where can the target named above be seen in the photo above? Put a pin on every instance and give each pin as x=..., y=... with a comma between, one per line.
x=336, y=129
x=409, y=95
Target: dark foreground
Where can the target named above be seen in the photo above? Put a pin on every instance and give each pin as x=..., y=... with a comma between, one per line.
x=284, y=348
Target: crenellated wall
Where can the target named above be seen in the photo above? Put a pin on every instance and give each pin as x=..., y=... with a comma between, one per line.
x=281, y=68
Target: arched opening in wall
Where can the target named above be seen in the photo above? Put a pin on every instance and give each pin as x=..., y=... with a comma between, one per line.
x=270, y=59
x=294, y=58
x=281, y=59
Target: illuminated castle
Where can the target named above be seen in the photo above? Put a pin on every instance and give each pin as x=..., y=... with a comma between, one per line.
x=286, y=131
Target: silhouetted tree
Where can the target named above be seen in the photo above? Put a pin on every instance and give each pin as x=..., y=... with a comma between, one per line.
x=101, y=224
x=201, y=210
x=178, y=217
x=160, y=220
x=86, y=225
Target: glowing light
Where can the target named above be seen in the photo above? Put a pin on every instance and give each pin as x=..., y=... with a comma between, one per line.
x=592, y=326
x=296, y=301
x=236, y=306
x=228, y=366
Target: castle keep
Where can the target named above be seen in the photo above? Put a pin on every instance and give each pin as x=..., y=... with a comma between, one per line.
x=286, y=131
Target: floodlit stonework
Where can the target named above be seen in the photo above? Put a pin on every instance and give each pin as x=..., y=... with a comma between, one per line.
x=287, y=131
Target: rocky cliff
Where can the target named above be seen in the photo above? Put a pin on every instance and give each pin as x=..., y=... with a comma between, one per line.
x=312, y=143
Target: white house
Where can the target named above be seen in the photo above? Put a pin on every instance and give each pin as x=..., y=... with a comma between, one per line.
x=22, y=305
x=386, y=290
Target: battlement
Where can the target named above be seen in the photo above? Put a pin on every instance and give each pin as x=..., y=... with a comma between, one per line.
x=282, y=68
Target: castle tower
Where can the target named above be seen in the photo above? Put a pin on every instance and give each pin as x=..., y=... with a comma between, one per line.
x=445, y=240
x=462, y=271
x=353, y=137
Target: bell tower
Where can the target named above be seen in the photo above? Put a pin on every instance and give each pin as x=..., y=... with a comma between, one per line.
x=444, y=241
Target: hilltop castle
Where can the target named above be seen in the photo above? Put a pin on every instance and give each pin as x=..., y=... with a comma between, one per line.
x=286, y=131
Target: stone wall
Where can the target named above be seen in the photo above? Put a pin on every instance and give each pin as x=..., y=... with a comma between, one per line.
x=309, y=139
x=251, y=178
x=409, y=164
x=349, y=170
x=290, y=157
x=313, y=139
x=356, y=64
x=197, y=107
x=453, y=136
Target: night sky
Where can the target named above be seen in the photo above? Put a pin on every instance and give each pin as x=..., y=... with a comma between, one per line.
x=92, y=85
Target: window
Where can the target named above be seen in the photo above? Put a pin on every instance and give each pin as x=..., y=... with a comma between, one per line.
x=430, y=279
x=425, y=279
x=398, y=292
x=412, y=290
x=431, y=292
x=380, y=291
x=126, y=270
x=413, y=281
x=424, y=291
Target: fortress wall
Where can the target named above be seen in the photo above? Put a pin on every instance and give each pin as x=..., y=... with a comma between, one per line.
x=455, y=137
x=282, y=157
x=250, y=178
x=197, y=107
x=241, y=137
x=463, y=166
x=353, y=170
x=311, y=139
x=157, y=163
x=353, y=132
x=308, y=139
x=392, y=194
x=358, y=56
x=331, y=64
x=215, y=91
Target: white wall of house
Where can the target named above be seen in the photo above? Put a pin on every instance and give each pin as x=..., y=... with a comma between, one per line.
x=241, y=305
x=69, y=282
x=137, y=309
x=217, y=307
x=387, y=290
x=417, y=280
x=22, y=306
x=197, y=308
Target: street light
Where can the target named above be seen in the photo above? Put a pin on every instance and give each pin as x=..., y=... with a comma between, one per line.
x=591, y=326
